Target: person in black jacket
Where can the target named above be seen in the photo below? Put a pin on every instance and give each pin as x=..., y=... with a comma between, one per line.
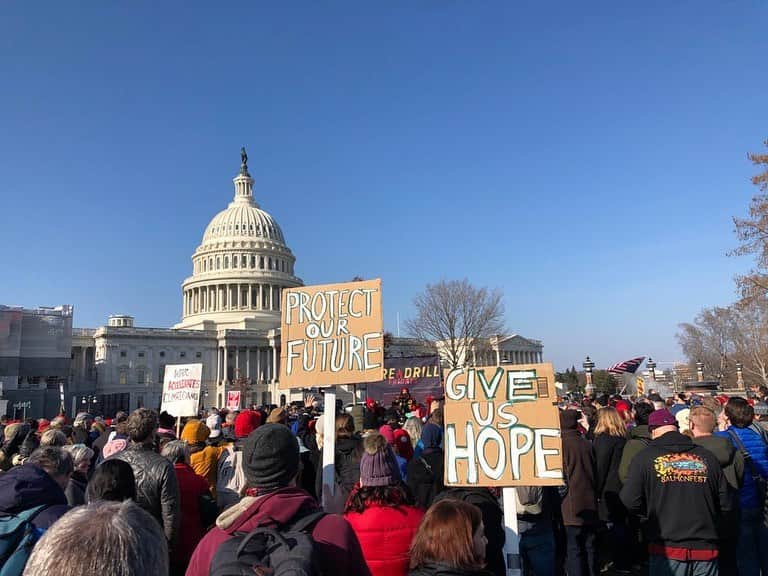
x=493, y=521
x=608, y=445
x=680, y=489
x=425, y=471
x=157, y=490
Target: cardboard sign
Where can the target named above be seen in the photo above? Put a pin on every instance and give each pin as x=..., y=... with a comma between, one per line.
x=233, y=400
x=502, y=427
x=331, y=334
x=181, y=389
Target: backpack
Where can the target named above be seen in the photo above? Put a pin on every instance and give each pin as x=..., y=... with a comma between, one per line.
x=230, y=478
x=287, y=550
x=18, y=537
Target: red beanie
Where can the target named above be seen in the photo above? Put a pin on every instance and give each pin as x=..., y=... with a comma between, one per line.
x=246, y=422
x=388, y=433
x=403, y=444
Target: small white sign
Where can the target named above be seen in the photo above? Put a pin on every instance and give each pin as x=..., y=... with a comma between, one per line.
x=181, y=389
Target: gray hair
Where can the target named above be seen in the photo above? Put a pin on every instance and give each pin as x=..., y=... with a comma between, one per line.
x=177, y=451
x=123, y=540
x=413, y=426
x=54, y=460
x=80, y=453
x=53, y=437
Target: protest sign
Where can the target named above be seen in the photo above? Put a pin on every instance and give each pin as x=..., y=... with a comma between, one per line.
x=233, y=400
x=181, y=389
x=502, y=427
x=331, y=334
x=420, y=374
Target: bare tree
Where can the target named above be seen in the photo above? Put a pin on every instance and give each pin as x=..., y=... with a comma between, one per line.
x=752, y=233
x=751, y=337
x=710, y=339
x=458, y=315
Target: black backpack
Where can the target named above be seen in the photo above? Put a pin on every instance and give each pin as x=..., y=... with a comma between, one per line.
x=286, y=550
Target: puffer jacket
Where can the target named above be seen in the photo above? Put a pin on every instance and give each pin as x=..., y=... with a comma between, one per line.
x=28, y=486
x=385, y=534
x=758, y=452
x=157, y=490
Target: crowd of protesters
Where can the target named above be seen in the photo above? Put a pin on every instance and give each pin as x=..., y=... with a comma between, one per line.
x=651, y=485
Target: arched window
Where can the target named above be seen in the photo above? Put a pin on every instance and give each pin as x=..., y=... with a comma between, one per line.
x=218, y=262
x=253, y=261
x=205, y=266
x=226, y=262
x=270, y=264
x=234, y=261
x=261, y=262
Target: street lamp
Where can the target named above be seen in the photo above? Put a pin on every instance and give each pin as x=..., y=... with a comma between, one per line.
x=700, y=371
x=652, y=368
x=588, y=366
x=740, y=375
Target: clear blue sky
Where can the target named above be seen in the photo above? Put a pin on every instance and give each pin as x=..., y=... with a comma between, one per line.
x=586, y=158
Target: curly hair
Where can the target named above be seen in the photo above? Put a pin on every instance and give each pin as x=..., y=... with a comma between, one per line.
x=142, y=424
x=362, y=497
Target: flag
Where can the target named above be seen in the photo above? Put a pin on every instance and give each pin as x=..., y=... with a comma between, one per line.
x=628, y=366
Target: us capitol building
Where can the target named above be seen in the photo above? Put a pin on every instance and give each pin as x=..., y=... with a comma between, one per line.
x=230, y=324
x=230, y=319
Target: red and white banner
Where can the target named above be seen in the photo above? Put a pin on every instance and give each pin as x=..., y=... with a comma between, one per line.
x=233, y=400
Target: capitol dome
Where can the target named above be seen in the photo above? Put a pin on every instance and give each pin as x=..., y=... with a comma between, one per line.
x=240, y=268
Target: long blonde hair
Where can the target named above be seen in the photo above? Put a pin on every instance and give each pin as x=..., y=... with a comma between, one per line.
x=609, y=422
x=413, y=426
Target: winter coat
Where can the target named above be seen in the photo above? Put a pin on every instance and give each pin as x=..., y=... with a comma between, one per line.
x=191, y=488
x=493, y=520
x=28, y=486
x=347, y=464
x=608, y=451
x=758, y=451
x=639, y=438
x=680, y=489
x=205, y=463
x=75, y=491
x=385, y=534
x=157, y=490
x=337, y=546
x=437, y=569
x=579, y=505
x=730, y=459
x=425, y=476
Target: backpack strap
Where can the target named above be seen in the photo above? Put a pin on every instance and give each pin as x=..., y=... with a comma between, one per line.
x=307, y=523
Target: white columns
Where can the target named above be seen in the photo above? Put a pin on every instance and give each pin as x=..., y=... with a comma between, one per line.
x=258, y=364
x=226, y=363
x=237, y=362
x=247, y=362
x=274, y=364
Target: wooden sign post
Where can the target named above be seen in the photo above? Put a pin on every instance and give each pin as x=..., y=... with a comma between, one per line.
x=502, y=429
x=331, y=334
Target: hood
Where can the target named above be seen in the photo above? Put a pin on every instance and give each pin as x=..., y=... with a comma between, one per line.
x=279, y=507
x=640, y=432
x=195, y=432
x=347, y=446
x=722, y=448
x=674, y=442
x=27, y=486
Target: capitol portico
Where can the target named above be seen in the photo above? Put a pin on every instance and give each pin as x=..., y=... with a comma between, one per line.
x=230, y=319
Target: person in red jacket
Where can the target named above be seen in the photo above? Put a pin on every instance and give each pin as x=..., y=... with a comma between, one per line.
x=382, y=510
x=191, y=487
x=271, y=464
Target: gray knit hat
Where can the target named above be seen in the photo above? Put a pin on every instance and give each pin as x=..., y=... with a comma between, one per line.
x=270, y=457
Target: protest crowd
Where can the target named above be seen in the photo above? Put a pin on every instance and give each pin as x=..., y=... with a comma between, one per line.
x=652, y=485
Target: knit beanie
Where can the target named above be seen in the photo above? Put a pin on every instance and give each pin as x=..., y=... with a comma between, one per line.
x=378, y=465
x=403, y=444
x=388, y=433
x=195, y=432
x=246, y=422
x=214, y=425
x=270, y=457
x=277, y=415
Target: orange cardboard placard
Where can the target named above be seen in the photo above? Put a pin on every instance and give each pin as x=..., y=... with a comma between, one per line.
x=502, y=426
x=331, y=334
